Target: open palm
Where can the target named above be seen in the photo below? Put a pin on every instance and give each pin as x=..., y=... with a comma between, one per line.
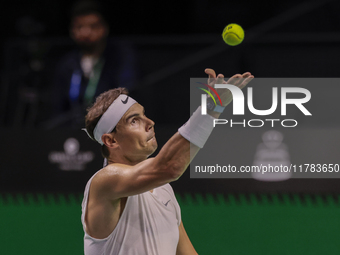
x=239, y=80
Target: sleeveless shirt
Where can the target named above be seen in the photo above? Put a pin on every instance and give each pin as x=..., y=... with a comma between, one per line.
x=148, y=225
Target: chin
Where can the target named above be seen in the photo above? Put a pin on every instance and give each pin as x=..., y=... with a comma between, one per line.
x=153, y=149
x=155, y=144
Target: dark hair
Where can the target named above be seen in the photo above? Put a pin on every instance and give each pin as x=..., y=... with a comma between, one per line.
x=86, y=7
x=94, y=113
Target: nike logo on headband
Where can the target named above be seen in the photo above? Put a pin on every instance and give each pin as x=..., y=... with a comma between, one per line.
x=125, y=101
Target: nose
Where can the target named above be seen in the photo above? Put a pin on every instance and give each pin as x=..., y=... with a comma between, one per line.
x=149, y=124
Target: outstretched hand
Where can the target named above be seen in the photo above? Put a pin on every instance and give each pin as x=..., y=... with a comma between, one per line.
x=239, y=80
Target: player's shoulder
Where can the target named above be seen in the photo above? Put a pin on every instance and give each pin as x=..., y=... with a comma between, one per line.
x=108, y=171
x=106, y=178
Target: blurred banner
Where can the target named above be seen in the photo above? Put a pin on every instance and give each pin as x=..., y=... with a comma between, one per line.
x=63, y=160
x=47, y=160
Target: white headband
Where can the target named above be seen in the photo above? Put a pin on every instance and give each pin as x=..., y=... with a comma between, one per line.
x=112, y=116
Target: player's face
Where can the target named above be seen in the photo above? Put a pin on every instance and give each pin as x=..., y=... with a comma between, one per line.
x=87, y=30
x=135, y=134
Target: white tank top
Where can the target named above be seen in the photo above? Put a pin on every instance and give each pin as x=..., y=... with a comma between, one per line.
x=148, y=226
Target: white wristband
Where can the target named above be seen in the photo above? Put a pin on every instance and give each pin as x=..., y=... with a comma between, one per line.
x=198, y=128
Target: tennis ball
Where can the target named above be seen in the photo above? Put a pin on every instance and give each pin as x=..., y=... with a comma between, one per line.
x=233, y=34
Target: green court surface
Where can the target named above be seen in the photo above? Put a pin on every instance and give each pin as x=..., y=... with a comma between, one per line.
x=267, y=224
x=230, y=224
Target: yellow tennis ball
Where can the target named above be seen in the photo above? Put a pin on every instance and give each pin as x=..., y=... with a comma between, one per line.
x=233, y=34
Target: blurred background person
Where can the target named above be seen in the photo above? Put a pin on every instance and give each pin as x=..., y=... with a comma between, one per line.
x=97, y=65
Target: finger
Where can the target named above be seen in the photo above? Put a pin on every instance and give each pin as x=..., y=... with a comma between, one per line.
x=212, y=75
x=244, y=76
x=246, y=81
x=210, y=72
x=234, y=79
x=220, y=79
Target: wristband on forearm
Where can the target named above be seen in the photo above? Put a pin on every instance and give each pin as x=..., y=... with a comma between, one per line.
x=198, y=128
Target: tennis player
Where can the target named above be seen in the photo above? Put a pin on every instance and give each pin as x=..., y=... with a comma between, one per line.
x=129, y=208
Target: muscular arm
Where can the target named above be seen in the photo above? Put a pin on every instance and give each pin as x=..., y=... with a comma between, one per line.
x=118, y=180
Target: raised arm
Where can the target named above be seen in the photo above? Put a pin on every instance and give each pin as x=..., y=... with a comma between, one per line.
x=122, y=180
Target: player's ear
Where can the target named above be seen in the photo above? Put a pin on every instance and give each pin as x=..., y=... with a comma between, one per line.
x=109, y=140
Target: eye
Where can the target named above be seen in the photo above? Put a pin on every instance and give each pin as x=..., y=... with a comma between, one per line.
x=134, y=121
